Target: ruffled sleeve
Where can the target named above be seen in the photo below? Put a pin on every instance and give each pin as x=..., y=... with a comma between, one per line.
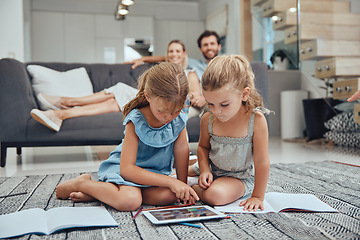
x=156, y=137
x=264, y=110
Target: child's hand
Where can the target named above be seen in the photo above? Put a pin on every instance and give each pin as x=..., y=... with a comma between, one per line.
x=184, y=192
x=252, y=204
x=197, y=99
x=205, y=180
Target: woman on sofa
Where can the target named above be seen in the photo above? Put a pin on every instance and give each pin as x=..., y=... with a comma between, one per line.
x=112, y=99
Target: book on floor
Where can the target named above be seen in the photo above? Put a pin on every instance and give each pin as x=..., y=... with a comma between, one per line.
x=36, y=220
x=282, y=202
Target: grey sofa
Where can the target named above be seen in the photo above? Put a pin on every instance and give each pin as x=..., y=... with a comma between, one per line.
x=18, y=129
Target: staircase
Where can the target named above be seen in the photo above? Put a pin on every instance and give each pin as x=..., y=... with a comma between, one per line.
x=329, y=33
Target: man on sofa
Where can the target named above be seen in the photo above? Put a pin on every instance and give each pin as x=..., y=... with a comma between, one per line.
x=209, y=45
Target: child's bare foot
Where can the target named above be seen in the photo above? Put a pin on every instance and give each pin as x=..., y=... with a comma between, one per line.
x=81, y=197
x=64, y=189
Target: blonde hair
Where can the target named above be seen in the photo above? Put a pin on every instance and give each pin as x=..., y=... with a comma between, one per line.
x=234, y=71
x=186, y=60
x=165, y=80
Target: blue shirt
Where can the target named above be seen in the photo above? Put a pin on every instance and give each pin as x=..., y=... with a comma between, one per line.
x=155, y=151
x=198, y=65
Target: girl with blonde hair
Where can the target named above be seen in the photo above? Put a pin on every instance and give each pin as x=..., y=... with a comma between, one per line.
x=233, y=136
x=137, y=171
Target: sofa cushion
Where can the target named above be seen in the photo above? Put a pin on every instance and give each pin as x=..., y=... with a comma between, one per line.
x=102, y=128
x=72, y=83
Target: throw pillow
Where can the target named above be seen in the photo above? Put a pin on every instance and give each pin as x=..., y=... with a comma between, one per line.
x=346, y=139
x=343, y=122
x=72, y=83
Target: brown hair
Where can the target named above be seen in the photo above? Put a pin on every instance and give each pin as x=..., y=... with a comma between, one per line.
x=234, y=71
x=165, y=80
x=208, y=33
x=186, y=60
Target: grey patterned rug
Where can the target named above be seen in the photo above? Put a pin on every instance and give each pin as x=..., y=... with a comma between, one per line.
x=334, y=183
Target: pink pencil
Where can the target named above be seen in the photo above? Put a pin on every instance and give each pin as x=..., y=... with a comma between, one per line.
x=137, y=213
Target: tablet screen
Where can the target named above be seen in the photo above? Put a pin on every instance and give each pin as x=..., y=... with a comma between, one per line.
x=183, y=214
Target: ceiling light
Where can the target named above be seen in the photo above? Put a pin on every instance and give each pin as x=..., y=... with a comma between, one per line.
x=122, y=9
x=292, y=9
x=119, y=17
x=127, y=2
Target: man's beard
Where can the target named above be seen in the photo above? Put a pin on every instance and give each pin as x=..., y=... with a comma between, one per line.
x=208, y=59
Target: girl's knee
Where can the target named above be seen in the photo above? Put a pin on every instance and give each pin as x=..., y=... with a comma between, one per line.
x=214, y=195
x=128, y=201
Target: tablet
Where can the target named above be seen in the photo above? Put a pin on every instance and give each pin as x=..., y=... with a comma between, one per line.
x=182, y=214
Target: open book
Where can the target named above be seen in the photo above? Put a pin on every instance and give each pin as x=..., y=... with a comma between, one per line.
x=36, y=220
x=281, y=202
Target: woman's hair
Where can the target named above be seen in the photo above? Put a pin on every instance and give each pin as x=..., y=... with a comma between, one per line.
x=185, y=63
x=233, y=71
x=165, y=80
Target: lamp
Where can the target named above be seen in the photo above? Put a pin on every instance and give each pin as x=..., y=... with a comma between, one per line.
x=122, y=9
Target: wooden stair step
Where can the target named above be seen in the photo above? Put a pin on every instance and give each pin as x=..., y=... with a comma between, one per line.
x=324, y=6
x=320, y=48
x=338, y=67
x=328, y=32
x=288, y=18
x=345, y=88
x=272, y=7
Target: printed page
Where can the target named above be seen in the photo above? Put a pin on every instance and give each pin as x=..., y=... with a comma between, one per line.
x=235, y=208
x=307, y=202
x=70, y=217
x=23, y=222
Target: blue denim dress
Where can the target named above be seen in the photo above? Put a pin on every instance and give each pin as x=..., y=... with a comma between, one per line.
x=155, y=151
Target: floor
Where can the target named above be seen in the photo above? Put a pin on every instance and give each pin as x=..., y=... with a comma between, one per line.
x=52, y=160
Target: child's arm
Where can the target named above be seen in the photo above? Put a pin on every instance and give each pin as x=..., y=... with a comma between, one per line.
x=354, y=96
x=196, y=98
x=206, y=177
x=133, y=173
x=261, y=164
x=181, y=155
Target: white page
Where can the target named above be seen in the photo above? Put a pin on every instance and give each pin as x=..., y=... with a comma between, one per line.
x=309, y=202
x=23, y=222
x=235, y=208
x=66, y=217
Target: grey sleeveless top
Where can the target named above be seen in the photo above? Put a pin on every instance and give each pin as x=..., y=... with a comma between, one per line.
x=232, y=157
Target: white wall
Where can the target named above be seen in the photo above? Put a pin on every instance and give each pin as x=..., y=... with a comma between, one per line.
x=233, y=41
x=80, y=30
x=82, y=37
x=12, y=29
x=68, y=30
x=185, y=31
